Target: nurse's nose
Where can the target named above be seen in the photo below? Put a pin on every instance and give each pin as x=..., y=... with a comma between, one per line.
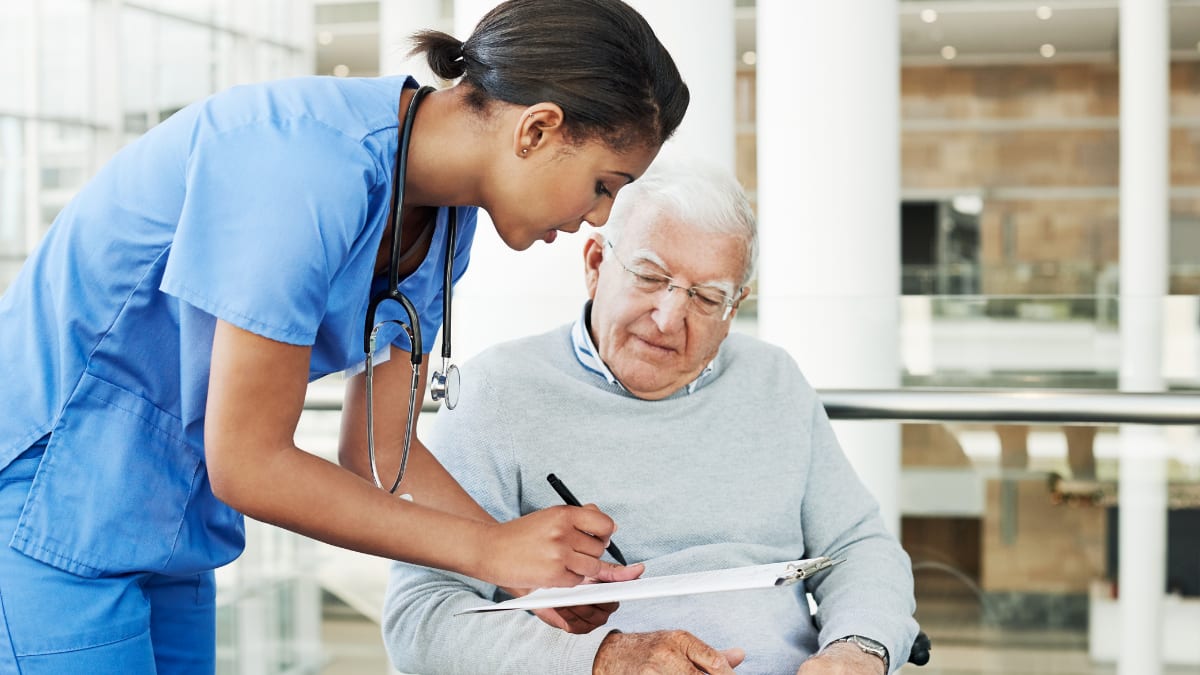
x=598, y=216
x=670, y=308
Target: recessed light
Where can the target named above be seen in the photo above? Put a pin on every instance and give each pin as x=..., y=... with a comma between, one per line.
x=750, y=57
x=341, y=70
x=949, y=52
x=324, y=37
x=929, y=15
x=1047, y=50
x=1044, y=12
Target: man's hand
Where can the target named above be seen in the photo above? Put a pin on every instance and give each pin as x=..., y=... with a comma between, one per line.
x=586, y=618
x=673, y=651
x=841, y=658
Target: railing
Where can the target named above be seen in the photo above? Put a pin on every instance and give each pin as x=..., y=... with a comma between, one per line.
x=1027, y=406
x=1075, y=406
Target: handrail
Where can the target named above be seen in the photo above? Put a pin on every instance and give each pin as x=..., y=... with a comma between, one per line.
x=1059, y=406
x=1054, y=406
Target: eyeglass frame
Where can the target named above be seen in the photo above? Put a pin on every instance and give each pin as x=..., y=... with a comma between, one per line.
x=668, y=284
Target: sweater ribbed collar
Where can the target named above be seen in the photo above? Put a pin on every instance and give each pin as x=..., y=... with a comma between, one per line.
x=589, y=357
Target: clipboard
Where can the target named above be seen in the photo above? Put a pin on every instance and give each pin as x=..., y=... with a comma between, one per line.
x=772, y=575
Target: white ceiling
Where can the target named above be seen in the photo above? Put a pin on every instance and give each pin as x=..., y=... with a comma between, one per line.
x=980, y=31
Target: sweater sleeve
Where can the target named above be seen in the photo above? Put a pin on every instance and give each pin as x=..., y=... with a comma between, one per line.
x=421, y=633
x=871, y=593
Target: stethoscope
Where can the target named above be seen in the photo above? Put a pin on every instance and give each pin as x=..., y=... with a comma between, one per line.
x=444, y=384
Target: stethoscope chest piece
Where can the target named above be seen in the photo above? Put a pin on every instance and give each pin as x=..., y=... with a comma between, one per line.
x=444, y=385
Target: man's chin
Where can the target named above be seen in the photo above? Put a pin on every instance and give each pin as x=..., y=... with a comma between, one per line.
x=650, y=388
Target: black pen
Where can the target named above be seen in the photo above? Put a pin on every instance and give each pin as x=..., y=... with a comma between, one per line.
x=572, y=501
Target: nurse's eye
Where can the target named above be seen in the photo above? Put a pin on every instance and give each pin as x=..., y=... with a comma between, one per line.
x=602, y=189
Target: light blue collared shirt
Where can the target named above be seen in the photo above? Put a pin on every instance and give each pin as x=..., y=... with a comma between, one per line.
x=589, y=356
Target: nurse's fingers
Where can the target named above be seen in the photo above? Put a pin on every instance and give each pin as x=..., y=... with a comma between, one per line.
x=614, y=572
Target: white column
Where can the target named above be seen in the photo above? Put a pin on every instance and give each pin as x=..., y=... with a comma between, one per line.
x=828, y=206
x=508, y=294
x=398, y=20
x=1144, y=60
x=699, y=34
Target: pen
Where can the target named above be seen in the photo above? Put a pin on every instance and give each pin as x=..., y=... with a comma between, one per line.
x=572, y=501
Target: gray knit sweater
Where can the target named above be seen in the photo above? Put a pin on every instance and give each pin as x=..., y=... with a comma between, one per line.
x=743, y=471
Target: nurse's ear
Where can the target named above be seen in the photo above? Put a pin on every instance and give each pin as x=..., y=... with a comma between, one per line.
x=593, y=255
x=539, y=127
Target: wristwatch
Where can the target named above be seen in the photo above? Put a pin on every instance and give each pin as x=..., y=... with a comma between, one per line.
x=869, y=646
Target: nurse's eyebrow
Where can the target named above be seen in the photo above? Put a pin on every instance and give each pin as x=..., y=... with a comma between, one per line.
x=627, y=176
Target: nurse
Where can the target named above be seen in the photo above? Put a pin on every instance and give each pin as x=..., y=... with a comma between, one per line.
x=155, y=350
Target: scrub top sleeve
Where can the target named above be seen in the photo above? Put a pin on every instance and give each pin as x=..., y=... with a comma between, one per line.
x=271, y=213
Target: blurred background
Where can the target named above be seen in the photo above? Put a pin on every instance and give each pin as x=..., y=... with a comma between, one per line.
x=997, y=195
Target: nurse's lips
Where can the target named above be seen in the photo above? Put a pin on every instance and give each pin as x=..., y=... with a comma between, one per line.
x=550, y=236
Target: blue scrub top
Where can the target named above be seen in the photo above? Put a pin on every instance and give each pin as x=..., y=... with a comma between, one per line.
x=263, y=206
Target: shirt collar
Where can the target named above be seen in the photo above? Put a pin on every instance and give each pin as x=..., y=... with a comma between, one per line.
x=589, y=357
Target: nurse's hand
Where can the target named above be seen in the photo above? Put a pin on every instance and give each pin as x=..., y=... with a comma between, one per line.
x=557, y=546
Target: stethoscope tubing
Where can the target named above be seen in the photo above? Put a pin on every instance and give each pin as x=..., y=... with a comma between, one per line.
x=392, y=292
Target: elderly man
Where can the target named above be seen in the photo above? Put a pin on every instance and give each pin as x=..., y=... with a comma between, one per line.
x=708, y=449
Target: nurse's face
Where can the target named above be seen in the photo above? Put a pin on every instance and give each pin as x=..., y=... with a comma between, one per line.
x=559, y=186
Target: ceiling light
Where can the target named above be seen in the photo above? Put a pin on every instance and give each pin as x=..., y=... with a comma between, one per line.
x=949, y=52
x=1044, y=12
x=324, y=37
x=341, y=70
x=1047, y=50
x=750, y=57
x=929, y=15
x=969, y=204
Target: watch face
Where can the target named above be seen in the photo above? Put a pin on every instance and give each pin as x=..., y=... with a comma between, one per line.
x=868, y=642
x=869, y=646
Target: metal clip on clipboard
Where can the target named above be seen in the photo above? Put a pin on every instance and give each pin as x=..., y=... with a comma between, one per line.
x=805, y=569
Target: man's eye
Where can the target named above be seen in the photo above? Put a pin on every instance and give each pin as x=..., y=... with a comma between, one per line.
x=710, y=300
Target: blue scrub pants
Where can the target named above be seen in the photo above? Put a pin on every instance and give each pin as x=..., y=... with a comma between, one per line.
x=57, y=622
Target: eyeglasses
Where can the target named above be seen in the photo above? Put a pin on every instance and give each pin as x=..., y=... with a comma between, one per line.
x=702, y=300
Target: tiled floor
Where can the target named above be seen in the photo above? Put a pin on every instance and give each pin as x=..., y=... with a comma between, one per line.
x=353, y=647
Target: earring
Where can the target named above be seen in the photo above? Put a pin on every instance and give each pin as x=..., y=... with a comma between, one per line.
x=524, y=151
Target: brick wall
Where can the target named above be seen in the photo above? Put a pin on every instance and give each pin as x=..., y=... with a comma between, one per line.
x=1041, y=144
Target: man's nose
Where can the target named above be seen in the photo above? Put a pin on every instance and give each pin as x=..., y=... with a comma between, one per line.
x=671, y=307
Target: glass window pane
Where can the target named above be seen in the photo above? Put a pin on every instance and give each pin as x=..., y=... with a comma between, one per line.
x=184, y=65
x=12, y=188
x=16, y=34
x=64, y=47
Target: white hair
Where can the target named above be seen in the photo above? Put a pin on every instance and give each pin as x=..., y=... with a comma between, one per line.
x=699, y=195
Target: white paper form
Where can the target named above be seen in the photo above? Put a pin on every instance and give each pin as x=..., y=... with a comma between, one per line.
x=713, y=581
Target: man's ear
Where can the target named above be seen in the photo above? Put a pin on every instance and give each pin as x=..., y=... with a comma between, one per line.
x=738, y=302
x=539, y=124
x=593, y=255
